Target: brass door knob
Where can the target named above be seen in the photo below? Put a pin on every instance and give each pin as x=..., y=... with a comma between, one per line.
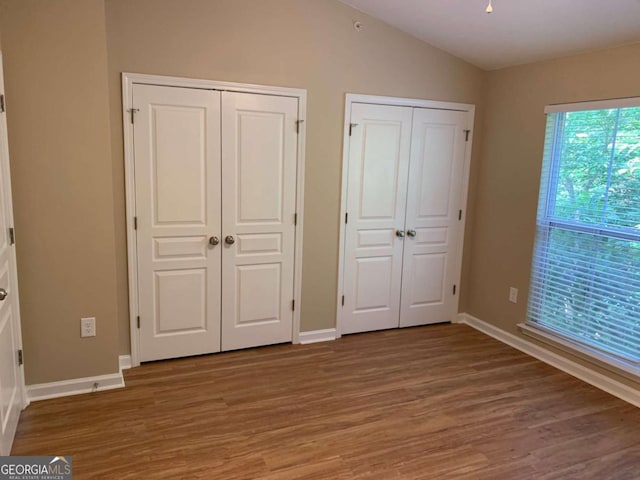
x=400, y=233
x=213, y=241
x=411, y=233
x=229, y=240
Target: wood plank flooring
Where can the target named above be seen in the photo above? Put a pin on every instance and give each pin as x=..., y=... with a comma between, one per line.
x=432, y=402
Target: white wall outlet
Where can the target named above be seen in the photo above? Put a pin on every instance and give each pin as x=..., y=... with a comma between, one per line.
x=88, y=327
x=513, y=295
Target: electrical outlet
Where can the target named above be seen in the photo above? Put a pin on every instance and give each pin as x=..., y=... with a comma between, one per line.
x=513, y=295
x=88, y=327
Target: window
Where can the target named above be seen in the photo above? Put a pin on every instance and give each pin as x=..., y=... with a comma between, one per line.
x=585, y=284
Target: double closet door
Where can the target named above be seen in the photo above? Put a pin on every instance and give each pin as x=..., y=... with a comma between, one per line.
x=403, y=216
x=215, y=191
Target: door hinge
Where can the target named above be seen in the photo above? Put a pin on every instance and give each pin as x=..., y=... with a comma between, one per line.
x=135, y=223
x=293, y=305
x=12, y=236
x=346, y=217
x=466, y=135
x=138, y=320
x=20, y=357
x=295, y=219
x=351, y=125
x=459, y=214
x=133, y=112
x=343, y=300
x=2, y=107
x=454, y=289
x=298, y=125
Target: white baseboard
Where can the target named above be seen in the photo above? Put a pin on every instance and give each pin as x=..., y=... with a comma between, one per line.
x=609, y=385
x=125, y=362
x=315, y=336
x=75, y=386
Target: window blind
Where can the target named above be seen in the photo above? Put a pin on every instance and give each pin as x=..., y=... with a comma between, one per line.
x=585, y=281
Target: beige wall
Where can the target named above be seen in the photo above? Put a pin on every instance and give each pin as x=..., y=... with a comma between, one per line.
x=55, y=64
x=307, y=44
x=64, y=113
x=510, y=163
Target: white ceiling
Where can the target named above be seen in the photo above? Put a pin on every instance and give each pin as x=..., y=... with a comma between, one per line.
x=518, y=31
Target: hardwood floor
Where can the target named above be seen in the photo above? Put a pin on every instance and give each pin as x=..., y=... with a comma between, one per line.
x=432, y=402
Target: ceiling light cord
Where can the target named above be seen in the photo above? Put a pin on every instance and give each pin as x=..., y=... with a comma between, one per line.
x=489, y=8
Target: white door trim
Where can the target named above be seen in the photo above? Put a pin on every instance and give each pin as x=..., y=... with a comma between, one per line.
x=128, y=80
x=403, y=102
x=5, y=168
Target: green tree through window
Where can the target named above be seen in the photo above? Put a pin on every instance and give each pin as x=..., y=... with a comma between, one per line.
x=586, y=267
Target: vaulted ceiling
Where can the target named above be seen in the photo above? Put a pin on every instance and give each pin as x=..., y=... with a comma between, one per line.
x=518, y=31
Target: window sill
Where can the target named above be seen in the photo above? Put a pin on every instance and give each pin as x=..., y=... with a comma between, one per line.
x=595, y=356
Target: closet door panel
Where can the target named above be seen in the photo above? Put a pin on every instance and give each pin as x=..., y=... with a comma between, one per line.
x=177, y=175
x=259, y=152
x=377, y=178
x=432, y=223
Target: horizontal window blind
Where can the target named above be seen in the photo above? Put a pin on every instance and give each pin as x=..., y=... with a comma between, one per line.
x=585, y=281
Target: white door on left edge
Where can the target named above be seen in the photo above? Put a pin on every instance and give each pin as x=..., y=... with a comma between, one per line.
x=12, y=399
x=259, y=145
x=177, y=176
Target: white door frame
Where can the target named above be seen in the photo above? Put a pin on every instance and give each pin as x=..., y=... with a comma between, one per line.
x=5, y=167
x=128, y=80
x=352, y=98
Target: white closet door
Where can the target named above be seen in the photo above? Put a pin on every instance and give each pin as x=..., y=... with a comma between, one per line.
x=11, y=377
x=259, y=145
x=378, y=170
x=432, y=223
x=177, y=175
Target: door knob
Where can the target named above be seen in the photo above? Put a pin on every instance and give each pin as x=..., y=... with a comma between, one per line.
x=411, y=233
x=229, y=240
x=3, y=294
x=400, y=233
x=213, y=241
